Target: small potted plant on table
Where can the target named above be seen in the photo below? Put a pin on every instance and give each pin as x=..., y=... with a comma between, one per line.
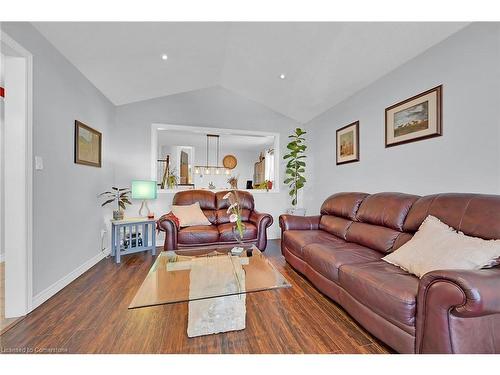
x=121, y=197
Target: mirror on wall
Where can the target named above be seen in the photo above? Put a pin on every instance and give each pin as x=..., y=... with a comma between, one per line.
x=208, y=159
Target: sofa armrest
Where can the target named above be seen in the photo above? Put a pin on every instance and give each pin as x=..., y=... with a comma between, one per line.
x=291, y=222
x=449, y=295
x=480, y=290
x=170, y=228
x=262, y=221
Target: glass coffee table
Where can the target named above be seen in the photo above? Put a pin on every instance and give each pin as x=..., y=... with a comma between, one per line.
x=213, y=281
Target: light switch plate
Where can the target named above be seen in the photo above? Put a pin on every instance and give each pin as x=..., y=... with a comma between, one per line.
x=38, y=163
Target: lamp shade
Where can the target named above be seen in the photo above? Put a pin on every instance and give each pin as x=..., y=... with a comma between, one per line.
x=142, y=189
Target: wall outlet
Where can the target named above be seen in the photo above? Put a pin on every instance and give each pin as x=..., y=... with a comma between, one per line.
x=38, y=163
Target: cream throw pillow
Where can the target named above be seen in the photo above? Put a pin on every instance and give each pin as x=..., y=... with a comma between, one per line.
x=436, y=246
x=190, y=215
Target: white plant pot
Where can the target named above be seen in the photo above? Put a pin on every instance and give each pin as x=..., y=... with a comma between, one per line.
x=296, y=211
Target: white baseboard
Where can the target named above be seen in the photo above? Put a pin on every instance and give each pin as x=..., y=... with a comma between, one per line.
x=44, y=295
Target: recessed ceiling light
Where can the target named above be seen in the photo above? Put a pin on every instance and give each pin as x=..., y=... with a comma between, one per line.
x=282, y=76
x=164, y=56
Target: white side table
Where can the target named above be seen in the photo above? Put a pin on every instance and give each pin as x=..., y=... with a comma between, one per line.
x=132, y=235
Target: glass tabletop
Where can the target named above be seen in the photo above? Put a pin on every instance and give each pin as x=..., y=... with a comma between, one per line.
x=189, y=275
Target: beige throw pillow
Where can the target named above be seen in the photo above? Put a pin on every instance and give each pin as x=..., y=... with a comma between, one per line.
x=437, y=246
x=190, y=215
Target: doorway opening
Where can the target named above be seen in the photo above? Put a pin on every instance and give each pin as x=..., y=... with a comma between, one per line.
x=16, y=181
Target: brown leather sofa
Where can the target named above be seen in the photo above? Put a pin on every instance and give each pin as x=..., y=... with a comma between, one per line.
x=220, y=232
x=447, y=311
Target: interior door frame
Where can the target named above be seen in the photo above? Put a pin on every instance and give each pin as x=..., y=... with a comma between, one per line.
x=27, y=195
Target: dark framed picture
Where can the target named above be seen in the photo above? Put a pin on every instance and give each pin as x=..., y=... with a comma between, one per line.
x=88, y=143
x=414, y=119
x=348, y=143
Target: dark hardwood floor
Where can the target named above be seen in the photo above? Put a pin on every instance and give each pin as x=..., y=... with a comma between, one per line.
x=90, y=316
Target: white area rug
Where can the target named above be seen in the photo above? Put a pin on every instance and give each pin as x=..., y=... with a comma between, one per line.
x=211, y=276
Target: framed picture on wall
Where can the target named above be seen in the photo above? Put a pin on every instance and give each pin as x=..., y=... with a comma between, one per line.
x=88, y=144
x=414, y=119
x=348, y=143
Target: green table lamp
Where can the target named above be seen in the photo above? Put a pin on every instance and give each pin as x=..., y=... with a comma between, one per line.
x=145, y=190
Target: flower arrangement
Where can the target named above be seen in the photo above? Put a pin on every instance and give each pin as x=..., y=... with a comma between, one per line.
x=233, y=181
x=235, y=210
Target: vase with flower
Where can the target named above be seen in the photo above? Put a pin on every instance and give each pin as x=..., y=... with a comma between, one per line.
x=234, y=211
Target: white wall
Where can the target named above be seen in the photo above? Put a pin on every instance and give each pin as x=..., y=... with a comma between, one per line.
x=14, y=185
x=465, y=159
x=2, y=158
x=211, y=107
x=67, y=216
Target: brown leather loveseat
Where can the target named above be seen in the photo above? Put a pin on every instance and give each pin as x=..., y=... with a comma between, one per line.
x=221, y=231
x=447, y=311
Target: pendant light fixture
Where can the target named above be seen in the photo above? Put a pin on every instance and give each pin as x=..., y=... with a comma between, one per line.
x=207, y=168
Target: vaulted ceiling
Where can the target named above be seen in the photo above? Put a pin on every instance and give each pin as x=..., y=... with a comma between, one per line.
x=323, y=63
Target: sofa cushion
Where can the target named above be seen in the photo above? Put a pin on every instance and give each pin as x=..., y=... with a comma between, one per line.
x=386, y=289
x=199, y=234
x=245, y=200
x=437, y=246
x=190, y=215
x=295, y=240
x=327, y=259
x=386, y=209
x=223, y=216
x=373, y=236
x=476, y=215
x=205, y=198
x=449, y=208
x=343, y=204
x=226, y=232
x=401, y=240
x=337, y=226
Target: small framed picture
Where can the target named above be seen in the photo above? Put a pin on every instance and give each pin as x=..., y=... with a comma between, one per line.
x=348, y=143
x=88, y=144
x=414, y=119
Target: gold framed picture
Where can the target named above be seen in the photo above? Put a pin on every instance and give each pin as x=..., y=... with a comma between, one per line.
x=414, y=119
x=88, y=143
x=348, y=143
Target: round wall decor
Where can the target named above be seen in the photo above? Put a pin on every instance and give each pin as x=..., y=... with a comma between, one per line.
x=230, y=162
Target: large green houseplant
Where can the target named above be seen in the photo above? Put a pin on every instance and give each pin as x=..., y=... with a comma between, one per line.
x=296, y=167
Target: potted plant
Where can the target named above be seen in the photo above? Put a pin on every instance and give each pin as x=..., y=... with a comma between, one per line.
x=233, y=182
x=295, y=168
x=121, y=197
x=172, y=179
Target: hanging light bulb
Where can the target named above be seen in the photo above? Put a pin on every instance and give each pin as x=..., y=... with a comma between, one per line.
x=197, y=170
x=217, y=171
x=207, y=170
x=227, y=171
